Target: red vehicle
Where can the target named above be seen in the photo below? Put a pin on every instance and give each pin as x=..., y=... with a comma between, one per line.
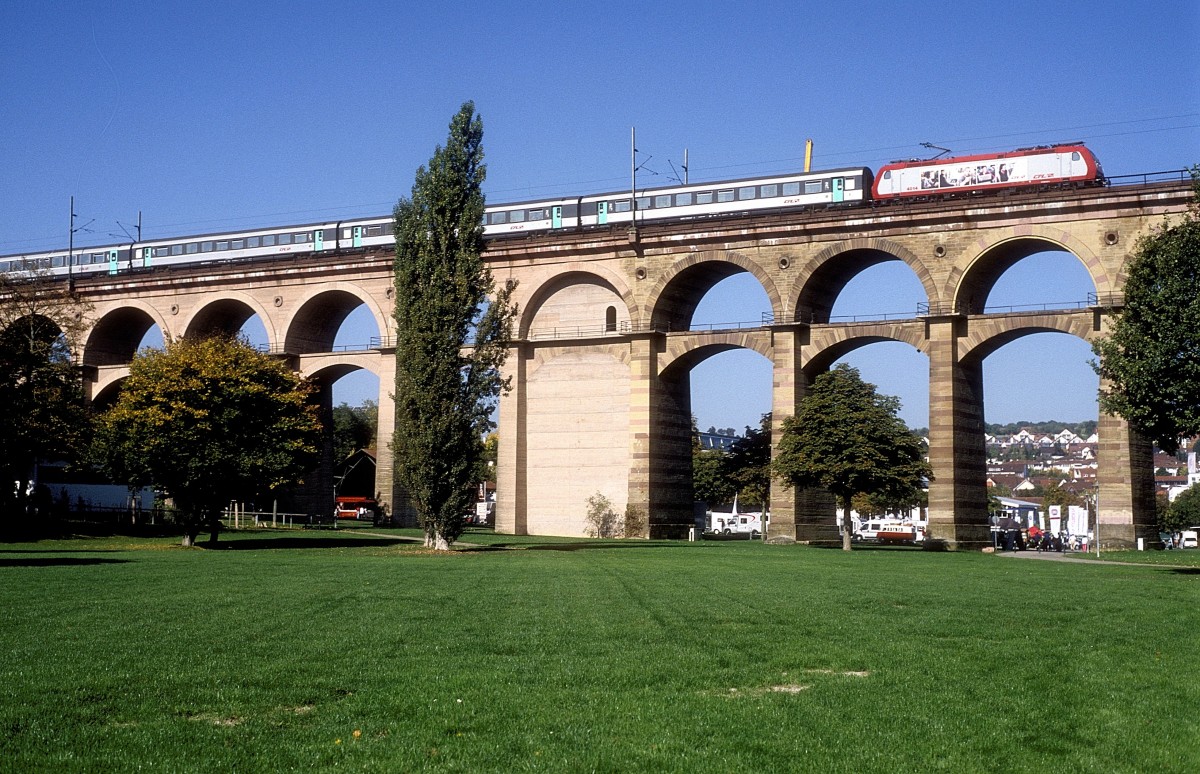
x=1071, y=163
x=355, y=508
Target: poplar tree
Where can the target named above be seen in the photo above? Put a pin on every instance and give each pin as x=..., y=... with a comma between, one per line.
x=453, y=329
x=848, y=439
x=1152, y=357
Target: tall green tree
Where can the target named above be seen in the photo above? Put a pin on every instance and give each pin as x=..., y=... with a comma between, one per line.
x=1151, y=360
x=210, y=421
x=849, y=440
x=43, y=413
x=453, y=330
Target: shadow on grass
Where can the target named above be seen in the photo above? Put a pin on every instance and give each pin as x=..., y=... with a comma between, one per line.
x=1186, y=570
x=290, y=543
x=56, y=561
x=566, y=546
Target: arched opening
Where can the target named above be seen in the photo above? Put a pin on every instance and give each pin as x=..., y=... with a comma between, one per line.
x=231, y=317
x=731, y=389
x=885, y=290
x=332, y=321
x=119, y=335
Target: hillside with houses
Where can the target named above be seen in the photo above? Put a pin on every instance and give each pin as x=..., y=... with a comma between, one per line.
x=1028, y=461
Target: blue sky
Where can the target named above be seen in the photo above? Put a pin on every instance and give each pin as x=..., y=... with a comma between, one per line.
x=207, y=116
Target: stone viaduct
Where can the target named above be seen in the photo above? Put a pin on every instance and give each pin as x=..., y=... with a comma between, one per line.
x=600, y=398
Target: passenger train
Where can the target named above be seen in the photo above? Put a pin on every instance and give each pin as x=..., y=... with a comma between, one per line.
x=1071, y=164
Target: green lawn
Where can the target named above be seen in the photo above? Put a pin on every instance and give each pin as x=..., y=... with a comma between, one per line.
x=322, y=650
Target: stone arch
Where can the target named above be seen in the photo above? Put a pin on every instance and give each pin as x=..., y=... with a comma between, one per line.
x=674, y=298
x=688, y=351
x=835, y=342
x=315, y=319
x=104, y=390
x=339, y=366
x=823, y=278
x=115, y=334
x=227, y=314
x=987, y=336
x=969, y=284
x=575, y=298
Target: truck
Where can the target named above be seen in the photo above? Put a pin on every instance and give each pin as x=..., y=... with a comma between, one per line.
x=736, y=523
x=889, y=531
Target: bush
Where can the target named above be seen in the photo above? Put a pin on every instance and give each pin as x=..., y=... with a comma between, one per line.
x=602, y=520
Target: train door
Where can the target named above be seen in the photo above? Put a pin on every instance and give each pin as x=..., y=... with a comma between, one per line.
x=839, y=189
x=147, y=255
x=556, y=217
x=602, y=213
x=319, y=239
x=357, y=237
x=112, y=261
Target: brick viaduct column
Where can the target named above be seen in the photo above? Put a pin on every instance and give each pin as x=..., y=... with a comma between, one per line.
x=660, y=467
x=1125, y=476
x=957, y=451
x=385, y=464
x=511, y=505
x=806, y=515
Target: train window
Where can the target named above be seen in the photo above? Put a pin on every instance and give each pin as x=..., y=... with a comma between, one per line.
x=268, y=240
x=768, y=190
x=58, y=261
x=302, y=238
x=537, y=215
x=206, y=247
x=643, y=202
x=192, y=248
x=499, y=217
x=887, y=175
x=252, y=241
x=791, y=189
x=850, y=184
x=1074, y=155
x=812, y=187
x=285, y=239
x=374, y=230
x=662, y=201
x=683, y=199
x=725, y=196
x=222, y=245
x=704, y=197
x=237, y=244
x=516, y=216
x=176, y=249
x=620, y=205
x=746, y=192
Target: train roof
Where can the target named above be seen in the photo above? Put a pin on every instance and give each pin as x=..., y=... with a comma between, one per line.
x=675, y=187
x=901, y=163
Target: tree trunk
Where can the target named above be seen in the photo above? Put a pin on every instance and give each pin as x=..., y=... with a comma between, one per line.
x=847, y=524
x=189, y=537
x=441, y=544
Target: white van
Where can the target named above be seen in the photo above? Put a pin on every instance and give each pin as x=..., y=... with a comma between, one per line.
x=1189, y=539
